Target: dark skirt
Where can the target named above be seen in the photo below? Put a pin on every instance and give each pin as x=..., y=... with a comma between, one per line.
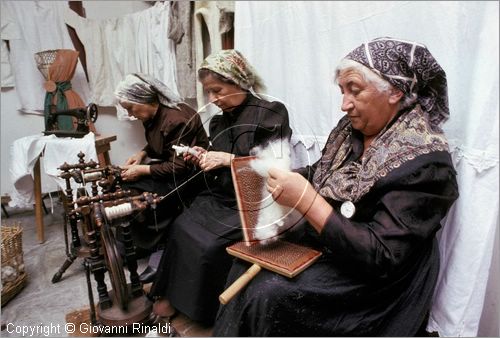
x=324, y=301
x=195, y=264
x=149, y=227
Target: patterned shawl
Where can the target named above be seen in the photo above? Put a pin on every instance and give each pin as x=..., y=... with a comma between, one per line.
x=411, y=68
x=142, y=88
x=232, y=65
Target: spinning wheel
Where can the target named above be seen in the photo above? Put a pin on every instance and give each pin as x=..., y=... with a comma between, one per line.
x=114, y=263
x=126, y=302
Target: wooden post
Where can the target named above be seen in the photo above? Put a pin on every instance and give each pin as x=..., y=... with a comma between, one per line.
x=38, y=203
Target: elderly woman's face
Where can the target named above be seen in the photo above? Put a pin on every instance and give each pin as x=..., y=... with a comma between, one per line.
x=368, y=109
x=226, y=96
x=140, y=111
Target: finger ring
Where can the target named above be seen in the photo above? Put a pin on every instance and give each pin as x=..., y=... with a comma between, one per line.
x=277, y=187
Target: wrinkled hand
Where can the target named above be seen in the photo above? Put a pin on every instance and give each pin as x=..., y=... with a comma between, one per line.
x=136, y=158
x=134, y=171
x=291, y=189
x=192, y=158
x=215, y=159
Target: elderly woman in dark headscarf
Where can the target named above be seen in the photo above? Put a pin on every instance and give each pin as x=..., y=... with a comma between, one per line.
x=373, y=205
x=167, y=121
x=195, y=265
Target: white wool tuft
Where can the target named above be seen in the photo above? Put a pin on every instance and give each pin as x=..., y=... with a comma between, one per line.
x=271, y=215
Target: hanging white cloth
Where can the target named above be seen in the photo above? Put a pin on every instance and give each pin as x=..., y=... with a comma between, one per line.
x=27, y=150
x=8, y=31
x=31, y=27
x=133, y=43
x=295, y=47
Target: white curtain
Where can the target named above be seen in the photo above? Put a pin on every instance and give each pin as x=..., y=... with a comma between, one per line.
x=132, y=43
x=295, y=47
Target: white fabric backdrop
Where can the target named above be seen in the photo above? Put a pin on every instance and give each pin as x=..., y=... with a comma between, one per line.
x=132, y=43
x=295, y=47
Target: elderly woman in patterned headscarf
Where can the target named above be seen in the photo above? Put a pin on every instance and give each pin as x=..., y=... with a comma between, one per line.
x=195, y=264
x=167, y=121
x=373, y=205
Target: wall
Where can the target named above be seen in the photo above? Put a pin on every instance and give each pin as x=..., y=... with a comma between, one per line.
x=15, y=125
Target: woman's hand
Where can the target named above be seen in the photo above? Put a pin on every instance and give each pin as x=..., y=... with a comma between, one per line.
x=215, y=159
x=293, y=190
x=290, y=189
x=134, y=171
x=136, y=158
x=195, y=159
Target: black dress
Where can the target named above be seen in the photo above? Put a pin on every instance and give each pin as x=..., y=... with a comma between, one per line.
x=378, y=270
x=168, y=127
x=194, y=265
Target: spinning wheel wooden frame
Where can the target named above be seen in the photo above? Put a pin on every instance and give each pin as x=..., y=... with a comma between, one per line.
x=114, y=264
x=125, y=303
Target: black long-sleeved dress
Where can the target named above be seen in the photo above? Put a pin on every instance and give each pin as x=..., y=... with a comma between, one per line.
x=168, y=127
x=378, y=270
x=194, y=265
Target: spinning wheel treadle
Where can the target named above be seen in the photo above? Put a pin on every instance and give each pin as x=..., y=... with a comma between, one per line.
x=114, y=264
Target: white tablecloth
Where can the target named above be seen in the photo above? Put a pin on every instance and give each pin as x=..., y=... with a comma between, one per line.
x=24, y=153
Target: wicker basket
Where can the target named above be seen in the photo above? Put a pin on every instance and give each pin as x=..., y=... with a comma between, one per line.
x=13, y=273
x=44, y=60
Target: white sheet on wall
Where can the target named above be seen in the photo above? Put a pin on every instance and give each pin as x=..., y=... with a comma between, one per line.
x=31, y=27
x=295, y=47
x=132, y=43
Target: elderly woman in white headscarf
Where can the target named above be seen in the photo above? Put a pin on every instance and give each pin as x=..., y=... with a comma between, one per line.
x=373, y=201
x=167, y=121
x=194, y=265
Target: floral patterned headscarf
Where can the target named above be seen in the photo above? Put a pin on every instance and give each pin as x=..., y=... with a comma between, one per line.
x=410, y=67
x=232, y=65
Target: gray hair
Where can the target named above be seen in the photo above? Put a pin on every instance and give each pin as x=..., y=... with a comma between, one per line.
x=370, y=76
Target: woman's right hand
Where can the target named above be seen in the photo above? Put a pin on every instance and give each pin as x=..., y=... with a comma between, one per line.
x=195, y=159
x=290, y=189
x=293, y=190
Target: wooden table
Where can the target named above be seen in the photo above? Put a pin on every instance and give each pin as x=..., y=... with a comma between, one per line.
x=102, y=146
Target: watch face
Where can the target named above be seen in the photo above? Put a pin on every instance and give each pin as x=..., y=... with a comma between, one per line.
x=347, y=209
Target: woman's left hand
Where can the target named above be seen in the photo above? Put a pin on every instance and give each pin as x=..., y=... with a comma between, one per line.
x=215, y=159
x=291, y=189
x=134, y=171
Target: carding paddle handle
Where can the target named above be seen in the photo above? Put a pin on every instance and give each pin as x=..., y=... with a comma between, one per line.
x=239, y=284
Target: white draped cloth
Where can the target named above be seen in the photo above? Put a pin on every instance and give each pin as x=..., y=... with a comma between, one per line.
x=295, y=47
x=133, y=43
x=31, y=27
x=24, y=153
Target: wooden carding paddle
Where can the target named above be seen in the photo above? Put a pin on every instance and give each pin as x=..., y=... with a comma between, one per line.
x=283, y=257
x=287, y=259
